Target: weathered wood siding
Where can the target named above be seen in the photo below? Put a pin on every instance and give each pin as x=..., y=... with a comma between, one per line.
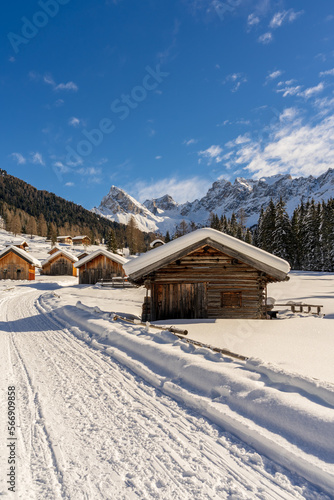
x=82, y=241
x=60, y=266
x=193, y=287
x=14, y=267
x=99, y=268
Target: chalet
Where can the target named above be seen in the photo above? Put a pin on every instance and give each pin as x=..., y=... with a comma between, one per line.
x=60, y=263
x=81, y=240
x=206, y=274
x=19, y=243
x=17, y=264
x=100, y=265
x=65, y=239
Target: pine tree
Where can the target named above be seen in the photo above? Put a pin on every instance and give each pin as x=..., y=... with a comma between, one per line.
x=281, y=236
x=167, y=237
x=111, y=242
x=42, y=228
x=267, y=227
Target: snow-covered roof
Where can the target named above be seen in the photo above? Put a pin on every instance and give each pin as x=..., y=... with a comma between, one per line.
x=101, y=251
x=22, y=253
x=56, y=247
x=16, y=242
x=164, y=254
x=80, y=237
x=69, y=255
x=63, y=237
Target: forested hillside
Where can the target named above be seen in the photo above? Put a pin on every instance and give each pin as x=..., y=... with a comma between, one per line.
x=26, y=209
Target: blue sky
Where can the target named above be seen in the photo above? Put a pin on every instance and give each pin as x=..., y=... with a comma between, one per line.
x=164, y=96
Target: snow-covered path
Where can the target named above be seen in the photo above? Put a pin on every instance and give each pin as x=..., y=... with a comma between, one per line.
x=91, y=429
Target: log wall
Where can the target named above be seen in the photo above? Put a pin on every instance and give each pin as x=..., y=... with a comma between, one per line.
x=207, y=284
x=99, y=268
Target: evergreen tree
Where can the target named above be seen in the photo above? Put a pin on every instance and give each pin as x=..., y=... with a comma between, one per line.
x=281, y=236
x=112, y=242
x=167, y=237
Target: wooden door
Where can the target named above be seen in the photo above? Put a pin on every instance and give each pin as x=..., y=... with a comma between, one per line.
x=179, y=301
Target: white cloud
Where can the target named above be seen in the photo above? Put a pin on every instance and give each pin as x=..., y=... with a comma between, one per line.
x=69, y=184
x=285, y=16
x=265, y=38
x=300, y=149
x=241, y=139
x=273, y=75
x=312, y=91
x=213, y=153
x=190, y=141
x=181, y=190
x=37, y=159
x=74, y=122
x=20, y=159
x=252, y=20
x=289, y=91
x=329, y=72
x=236, y=79
x=158, y=157
x=48, y=79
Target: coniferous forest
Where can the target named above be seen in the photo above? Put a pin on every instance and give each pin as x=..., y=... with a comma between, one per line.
x=305, y=240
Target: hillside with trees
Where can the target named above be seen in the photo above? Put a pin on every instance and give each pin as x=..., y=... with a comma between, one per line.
x=28, y=210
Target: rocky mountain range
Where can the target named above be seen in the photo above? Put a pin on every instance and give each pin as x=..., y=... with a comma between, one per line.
x=224, y=197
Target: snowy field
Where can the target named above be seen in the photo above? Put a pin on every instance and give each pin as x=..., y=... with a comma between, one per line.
x=108, y=409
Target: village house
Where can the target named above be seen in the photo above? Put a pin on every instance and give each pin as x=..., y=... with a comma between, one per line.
x=17, y=264
x=19, y=243
x=54, y=249
x=81, y=240
x=60, y=263
x=65, y=240
x=100, y=265
x=206, y=274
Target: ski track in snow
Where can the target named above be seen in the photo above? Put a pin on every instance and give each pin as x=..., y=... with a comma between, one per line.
x=91, y=429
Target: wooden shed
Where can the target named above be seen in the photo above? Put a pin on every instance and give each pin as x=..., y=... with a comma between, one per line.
x=65, y=239
x=81, y=240
x=206, y=274
x=17, y=264
x=100, y=265
x=60, y=263
x=19, y=243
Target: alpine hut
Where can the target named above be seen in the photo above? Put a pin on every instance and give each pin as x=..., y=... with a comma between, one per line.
x=66, y=240
x=206, y=274
x=54, y=249
x=17, y=264
x=81, y=240
x=100, y=265
x=60, y=263
x=19, y=243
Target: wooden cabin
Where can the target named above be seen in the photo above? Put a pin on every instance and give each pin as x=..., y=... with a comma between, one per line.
x=206, y=274
x=81, y=240
x=65, y=239
x=100, y=265
x=17, y=264
x=60, y=263
x=17, y=243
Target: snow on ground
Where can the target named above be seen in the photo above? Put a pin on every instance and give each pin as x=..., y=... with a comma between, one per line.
x=97, y=421
x=109, y=409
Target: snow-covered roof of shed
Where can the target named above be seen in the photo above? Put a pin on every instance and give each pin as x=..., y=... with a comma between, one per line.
x=14, y=242
x=80, y=237
x=151, y=260
x=63, y=237
x=56, y=247
x=91, y=256
x=25, y=255
x=67, y=254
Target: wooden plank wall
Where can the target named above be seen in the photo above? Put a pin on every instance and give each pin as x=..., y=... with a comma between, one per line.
x=13, y=267
x=99, y=268
x=60, y=266
x=220, y=273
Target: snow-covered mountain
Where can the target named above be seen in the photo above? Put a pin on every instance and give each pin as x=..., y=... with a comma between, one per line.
x=224, y=197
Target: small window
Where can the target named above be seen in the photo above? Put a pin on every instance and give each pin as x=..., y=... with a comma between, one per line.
x=231, y=299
